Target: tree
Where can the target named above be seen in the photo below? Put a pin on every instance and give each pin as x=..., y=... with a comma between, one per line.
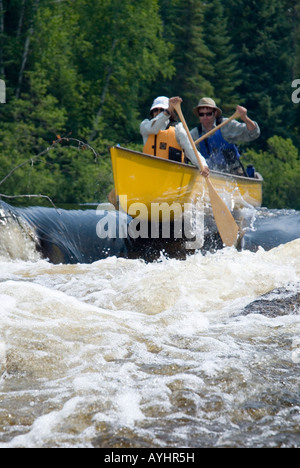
x=80, y=67
x=225, y=75
x=124, y=55
x=184, y=27
x=262, y=38
x=280, y=167
x=57, y=46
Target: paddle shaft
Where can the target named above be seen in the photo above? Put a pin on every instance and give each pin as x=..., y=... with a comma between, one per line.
x=211, y=132
x=179, y=112
x=225, y=222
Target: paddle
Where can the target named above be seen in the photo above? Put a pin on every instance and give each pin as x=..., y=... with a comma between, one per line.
x=225, y=222
x=211, y=132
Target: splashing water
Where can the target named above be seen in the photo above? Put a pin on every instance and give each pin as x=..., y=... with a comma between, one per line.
x=121, y=353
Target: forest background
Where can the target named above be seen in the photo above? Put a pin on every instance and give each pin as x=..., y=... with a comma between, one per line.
x=91, y=69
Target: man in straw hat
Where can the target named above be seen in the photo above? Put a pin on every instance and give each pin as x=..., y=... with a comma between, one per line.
x=220, y=150
x=164, y=137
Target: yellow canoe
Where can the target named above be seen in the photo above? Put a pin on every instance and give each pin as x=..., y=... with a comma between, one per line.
x=143, y=181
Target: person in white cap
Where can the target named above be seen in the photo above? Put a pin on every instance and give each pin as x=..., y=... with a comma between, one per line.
x=220, y=150
x=164, y=137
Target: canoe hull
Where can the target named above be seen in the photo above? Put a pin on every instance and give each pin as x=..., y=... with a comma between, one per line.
x=143, y=183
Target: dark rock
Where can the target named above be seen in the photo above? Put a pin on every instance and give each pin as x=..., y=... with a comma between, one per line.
x=281, y=301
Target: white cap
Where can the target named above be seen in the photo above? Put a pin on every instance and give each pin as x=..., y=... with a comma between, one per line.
x=161, y=102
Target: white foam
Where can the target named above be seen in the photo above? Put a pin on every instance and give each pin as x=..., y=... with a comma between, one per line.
x=129, y=411
x=44, y=427
x=92, y=349
x=17, y=242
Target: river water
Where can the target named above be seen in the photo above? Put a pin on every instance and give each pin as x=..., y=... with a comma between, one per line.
x=119, y=352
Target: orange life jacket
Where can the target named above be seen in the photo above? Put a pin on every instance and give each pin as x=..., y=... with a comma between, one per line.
x=164, y=145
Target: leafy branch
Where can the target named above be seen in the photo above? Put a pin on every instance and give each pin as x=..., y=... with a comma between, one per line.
x=75, y=143
x=80, y=145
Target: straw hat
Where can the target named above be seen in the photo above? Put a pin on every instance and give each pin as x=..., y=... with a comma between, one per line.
x=207, y=102
x=161, y=102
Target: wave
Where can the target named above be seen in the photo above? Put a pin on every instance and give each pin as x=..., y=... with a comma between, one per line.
x=72, y=236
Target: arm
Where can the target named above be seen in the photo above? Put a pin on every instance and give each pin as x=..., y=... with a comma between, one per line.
x=184, y=142
x=251, y=126
x=195, y=133
x=237, y=131
x=153, y=126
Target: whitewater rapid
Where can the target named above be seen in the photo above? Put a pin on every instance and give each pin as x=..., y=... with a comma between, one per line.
x=124, y=353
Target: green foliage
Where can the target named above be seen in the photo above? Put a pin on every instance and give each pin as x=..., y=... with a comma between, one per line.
x=225, y=75
x=264, y=43
x=83, y=67
x=184, y=26
x=280, y=167
x=91, y=70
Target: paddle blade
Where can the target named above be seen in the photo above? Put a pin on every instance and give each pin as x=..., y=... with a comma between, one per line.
x=227, y=227
x=225, y=222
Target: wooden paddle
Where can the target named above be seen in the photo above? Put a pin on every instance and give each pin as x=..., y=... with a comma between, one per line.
x=225, y=222
x=211, y=132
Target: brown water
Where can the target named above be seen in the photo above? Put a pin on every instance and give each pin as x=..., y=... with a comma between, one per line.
x=121, y=353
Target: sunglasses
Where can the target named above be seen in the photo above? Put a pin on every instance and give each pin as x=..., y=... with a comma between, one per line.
x=208, y=114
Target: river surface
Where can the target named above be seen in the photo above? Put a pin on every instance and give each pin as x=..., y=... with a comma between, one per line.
x=119, y=352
